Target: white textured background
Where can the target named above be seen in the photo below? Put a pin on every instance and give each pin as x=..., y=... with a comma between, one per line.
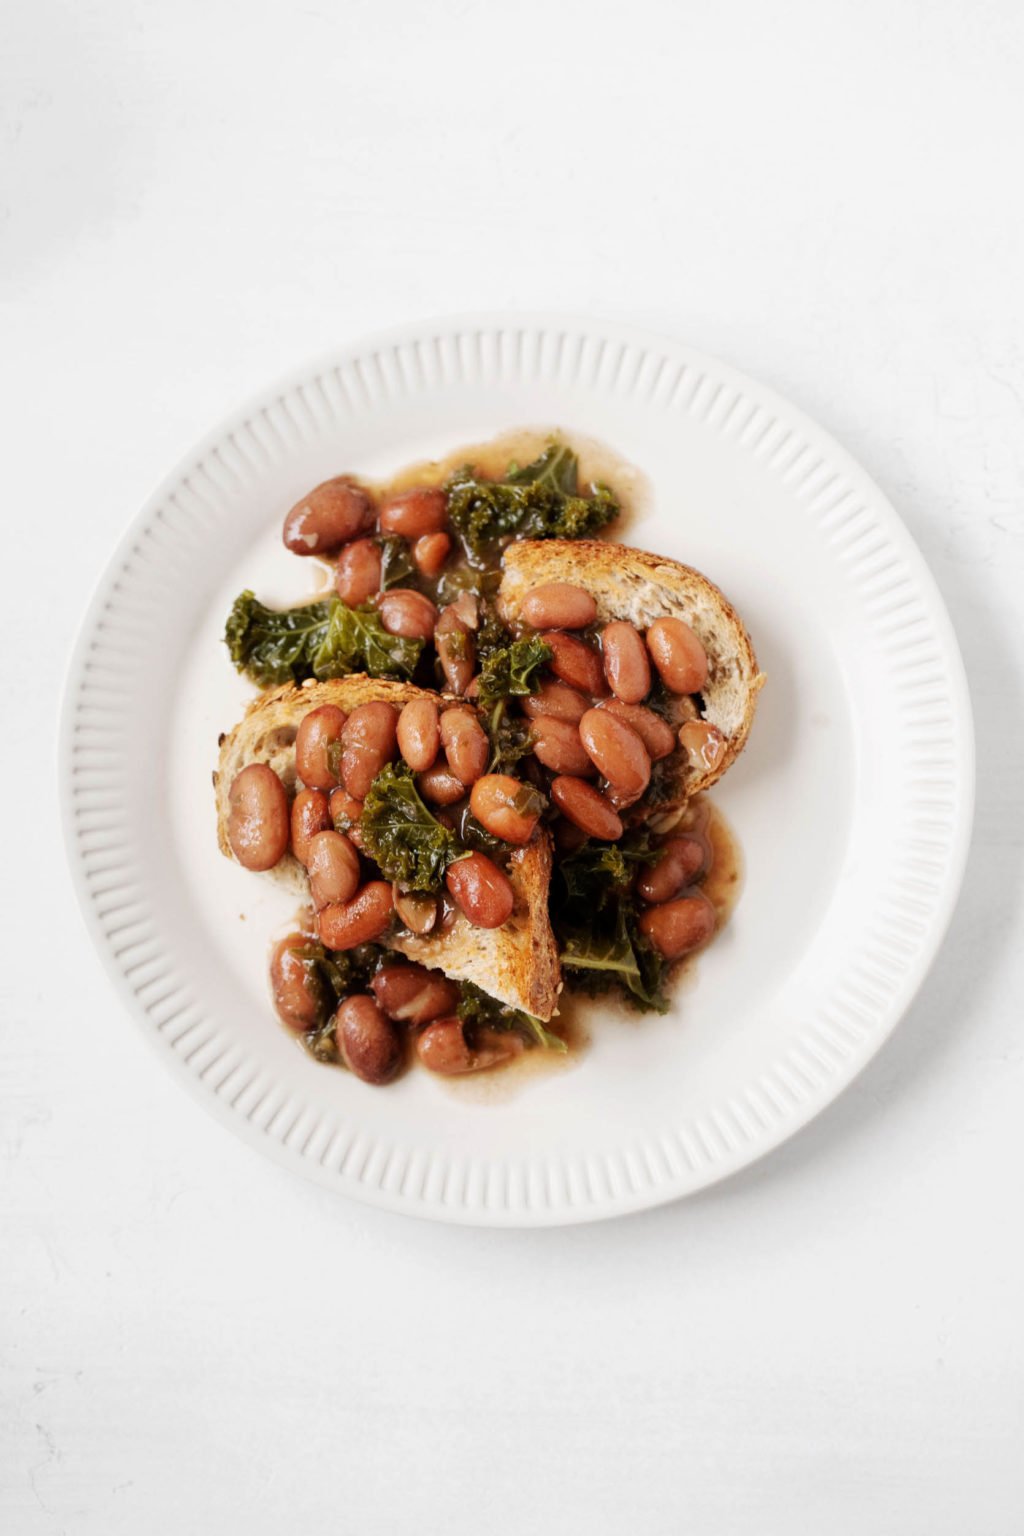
x=195, y=196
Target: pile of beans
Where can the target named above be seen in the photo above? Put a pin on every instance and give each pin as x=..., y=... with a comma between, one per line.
x=594, y=740
x=371, y=1028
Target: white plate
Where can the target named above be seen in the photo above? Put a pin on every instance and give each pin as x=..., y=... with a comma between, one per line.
x=852, y=803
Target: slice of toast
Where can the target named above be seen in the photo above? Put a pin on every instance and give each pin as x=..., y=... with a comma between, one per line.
x=516, y=963
x=632, y=584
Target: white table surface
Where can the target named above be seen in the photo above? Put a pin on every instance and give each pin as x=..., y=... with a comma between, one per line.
x=195, y=196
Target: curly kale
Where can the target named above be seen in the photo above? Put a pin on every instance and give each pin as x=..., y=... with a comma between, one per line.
x=397, y=567
x=594, y=916
x=477, y=1008
x=402, y=836
x=322, y=639
x=511, y=672
x=541, y=500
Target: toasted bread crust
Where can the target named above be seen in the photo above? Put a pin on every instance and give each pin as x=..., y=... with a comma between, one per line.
x=516, y=963
x=632, y=584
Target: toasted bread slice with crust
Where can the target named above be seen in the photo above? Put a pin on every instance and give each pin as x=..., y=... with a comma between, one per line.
x=632, y=584
x=516, y=963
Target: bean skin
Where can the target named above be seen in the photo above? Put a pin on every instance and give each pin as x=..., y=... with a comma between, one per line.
x=430, y=553
x=443, y=1048
x=357, y=577
x=557, y=605
x=679, y=863
x=557, y=745
x=346, y=924
x=586, y=808
x=576, y=663
x=616, y=751
x=317, y=733
x=506, y=807
x=626, y=663
x=465, y=743
x=677, y=927
x=368, y=1042
x=558, y=700
x=369, y=740
x=259, y=823
x=456, y=649
x=310, y=814
x=419, y=735
x=655, y=733
x=332, y=513
x=298, y=993
x=703, y=744
x=439, y=787
x=333, y=869
x=408, y=613
x=481, y=890
x=411, y=994
x=677, y=653
x=415, y=513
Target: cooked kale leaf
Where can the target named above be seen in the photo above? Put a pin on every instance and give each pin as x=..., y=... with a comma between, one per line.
x=396, y=562
x=594, y=916
x=511, y=738
x=476, y=1007
x=511, y=672
x=541, y=500
x=402, y=836
x=321, y=639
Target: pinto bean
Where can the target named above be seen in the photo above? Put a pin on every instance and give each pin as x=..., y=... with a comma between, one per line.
x=333, y=869
x=576, y=663
x=332, y=513
x=655, y=733
x=357, y=577
x=369, y=740
x=506, y=807
x=616, y=751
x=345, y=812
x=443, y=1048
x=408, y=613
x=258, y=819
x=416, y=910
x=558, y=605
x=557, y=745
x=298, y=991
x=586, y=808
x=310, y=814
x=456, y=648
x=430, y=553
x=315, y=762
x=368, y=1042
x=411, y=994
x=626, y=663
x=678, y=654
x=346, y=924
x=422, y=510
x=419, y=736
x=481, y=890
x=558, y=700
x=465, y=743
x=680, y=861
x=438, y=786
x=703, y=744
x=677, y=927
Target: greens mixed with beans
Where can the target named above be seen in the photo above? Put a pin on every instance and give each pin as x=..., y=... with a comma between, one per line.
x=405, y=819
